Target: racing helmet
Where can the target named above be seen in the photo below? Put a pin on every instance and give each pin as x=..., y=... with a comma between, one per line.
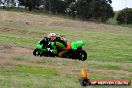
x=52, y=34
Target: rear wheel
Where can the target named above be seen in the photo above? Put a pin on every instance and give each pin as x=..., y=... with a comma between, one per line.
x=81, y=54
x=36, y=52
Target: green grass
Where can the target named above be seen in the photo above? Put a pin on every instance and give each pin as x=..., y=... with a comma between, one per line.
x=26, y=76
x=107, y=66
x=18, y=40
x=110, y=47
x=20, y=70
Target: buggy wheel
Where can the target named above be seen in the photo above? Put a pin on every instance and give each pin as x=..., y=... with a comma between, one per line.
x=36, y=52
x=81, y=54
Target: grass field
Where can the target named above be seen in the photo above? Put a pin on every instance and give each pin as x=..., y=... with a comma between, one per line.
x=109, y=49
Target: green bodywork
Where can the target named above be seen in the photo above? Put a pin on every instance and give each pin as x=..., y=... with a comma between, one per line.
x=39, y=47
x=77, y=44
x=74, y=45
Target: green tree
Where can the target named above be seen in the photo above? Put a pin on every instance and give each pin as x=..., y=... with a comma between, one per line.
x=125, y=16
x=95, y=9
x=3, y=3
x=55, y=6
x=26, y=3
x=103, y=10
x=7, y=3
x=61, y=7
x=72, y=8
x=31, y=4
x=68, y=2
x=85, y=9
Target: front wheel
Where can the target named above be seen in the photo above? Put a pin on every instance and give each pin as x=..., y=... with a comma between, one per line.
x=36, y=52
x=81, y=54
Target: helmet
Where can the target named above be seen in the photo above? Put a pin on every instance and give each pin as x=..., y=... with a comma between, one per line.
x=52, y=34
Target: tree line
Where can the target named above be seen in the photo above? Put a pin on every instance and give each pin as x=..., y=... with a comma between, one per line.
x=85, y=9
x=98, y=10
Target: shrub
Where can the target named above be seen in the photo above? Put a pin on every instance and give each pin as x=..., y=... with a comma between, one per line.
x=125, y=16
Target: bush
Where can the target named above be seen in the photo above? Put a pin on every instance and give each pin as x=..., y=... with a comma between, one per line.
x=125, y=16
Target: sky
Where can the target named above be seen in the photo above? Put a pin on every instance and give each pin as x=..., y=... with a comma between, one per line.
x=121, y=4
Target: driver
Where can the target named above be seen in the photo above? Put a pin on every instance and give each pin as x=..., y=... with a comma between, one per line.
x=58, y=43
